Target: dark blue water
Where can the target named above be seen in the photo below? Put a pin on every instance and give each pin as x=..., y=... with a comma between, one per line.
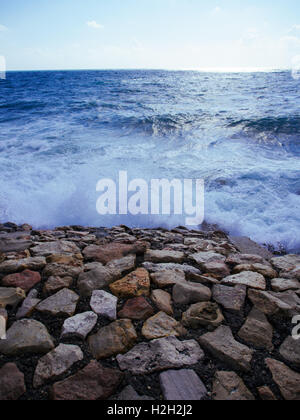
x=60, y=132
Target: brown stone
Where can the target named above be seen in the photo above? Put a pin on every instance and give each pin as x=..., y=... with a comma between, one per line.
x=264, y=270
x=55, y=284
x=135, y=284
x=161, y=325
x=231, y=298
x=247, y=278
x=257, y=330
x=25, y=280
x=285, y=304
x=164, y=256
x=266, y=394
x=168, y=278
x=287, y=380
x=228, y=386
x=12, y=384
x=206, y=314
x=113, y=251
x=163, y=301
x=74, y=260
x=187, y=293
x=136, y=309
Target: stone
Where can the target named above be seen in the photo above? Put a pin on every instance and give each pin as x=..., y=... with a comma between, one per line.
x=134, y=284
x=76, y=260
x=113, y=339
x=241, y=259
x=92, y=383
x=10, y=244
x=25, y=280
x=186, y=293
x=286, y=263
x=222, y=345
x=113, y=251
x=286, y=304
x=96, y=279
x=14, y=266
x=164, y=256
x=168, y=278
x=205, y=314
x=3, y=321
x=266, y=394
x=44, y=249
x=26, y=337
x=292, y=274
x=28, y=305
x=231, y=298
x=136, y=309
x=228, y=386
x=216, y=268
x=290, y=351
x=104, y=304
x=63, y=303
x=203, y=258
x=162, y=325
x=56, y=363
x=130, y=394
x=247, y=246
x=61, y=270
x=264, y=270
x=247, y=278
x=282, y=285
x=12, y=384
x=287, y=380
x=124, y=264
x=79, y=325
x=55, y=284
x=10, y=296
x=191, y=273
x=163, y=301
x=159, y=355
x=257, y=330
x=182, y=385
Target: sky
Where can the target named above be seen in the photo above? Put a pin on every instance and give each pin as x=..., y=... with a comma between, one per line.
x=149, y=34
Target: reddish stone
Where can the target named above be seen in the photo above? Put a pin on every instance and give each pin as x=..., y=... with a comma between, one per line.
x=94, y=382
x=136, y=309
x=113, y=251
x=12, y=385
x=25, y=280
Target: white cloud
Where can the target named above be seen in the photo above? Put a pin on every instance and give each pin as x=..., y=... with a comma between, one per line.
x=216, y=10
x=94, y=24
x=291, y=40
x=3, y=28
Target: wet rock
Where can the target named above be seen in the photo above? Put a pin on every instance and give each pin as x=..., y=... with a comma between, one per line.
x=136, y=309
x=228, y=386
x=182, y=385
x=285, y=304
x=129, y=394
x=205, y=314
x=113, y=339
x=247, y=278
x=79, y=325
x=161, y=354
x=56, y=363
x=286, y=263
x=168, y=278
x=104, y=304
x=55, y=284
x=135, y=284
x=10, y=296
x=162, y=325
x=164, y=256
x=94, y=382
x=96, y=279
x=222, y=345
x=231, y=298
x=12, y=384
x=26, y=337
x=282, y=285
x=62, y=303
x=124, y=264
x=61, y=270
x=257, y=330
x=28, y=305
x=186, y=293
x=240, y=259
x=25, y=280
x=113, y=251
x=287, y=380
x=266, y=394
x=163, y=301
x=290, y=351
x=14, y=266
x=247, y=246
x=45, y=249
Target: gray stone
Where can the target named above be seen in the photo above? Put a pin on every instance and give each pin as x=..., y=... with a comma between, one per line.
x=247, y=278
x=286, y=304
x=11, y=244
x=257, y=330
x=168, y=278
x=14, y=266
x=240, y=259
x=97, y=279
x=26, y=337
x=182, y=385
x=55, y=284
x=124, y=264
x=104, y=304
x=186, y=293
x=61, y=304
x=282, y=285
x=203, y=258
x=45, y=249
x=287, y=380
x=28, y=305
x=247, y=246
x=12, y=384
x=79, y=325
x=164, y=256
x=286, y=263
x=129, y=394
x=56, y=363
x=163, y=301
x=228, y=386
x=231, y=298
x=191, y=272
x=61, y=270
x=10, y=296
x=290, y=351
x=161, y=354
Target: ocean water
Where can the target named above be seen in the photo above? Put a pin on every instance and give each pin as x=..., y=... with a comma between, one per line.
x=60, y=132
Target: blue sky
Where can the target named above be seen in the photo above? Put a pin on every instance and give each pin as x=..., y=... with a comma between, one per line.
x=171, y=34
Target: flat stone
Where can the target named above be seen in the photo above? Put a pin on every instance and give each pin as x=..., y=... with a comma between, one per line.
x=28, y=305
x=10, y=296
x=287, y=380
x=168, y=278
x=26, y=337
x=257, y=330
x=135, y=284
x=124, y=264
x=292, y=274
x=56, y=363
x=191, y=272
x=203, y=258
x=163, y=301
x=76, y=260
x=14, y=266
x=286, y=263
x=159, y=355
x=290, y=351
x=182, y=385
x=113, y=339
x=231, y=298
x=164, y=256
x=136, y=309
x=240, y=259
x=25, y=280
x=79, y=325
x=12, y=384
x=247, y=246
x=55, y=284
x=130, y=394
x=61, y=270
x=61, y=304
x=186, y=293
x=96, y=279
x=92, y=383
x=266, y=394
x=247, y=278
x=228, y=386
x=162, y=325
x=104, y=304
x=264, y=270
x=206, y=314
x=216, y=268
x=12, y=244
x=113, y=251
x=45, y=249
x=282, y=285
x=286, y=304
x=222, y=345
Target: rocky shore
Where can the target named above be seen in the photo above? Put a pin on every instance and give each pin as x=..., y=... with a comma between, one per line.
x=140, y=314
